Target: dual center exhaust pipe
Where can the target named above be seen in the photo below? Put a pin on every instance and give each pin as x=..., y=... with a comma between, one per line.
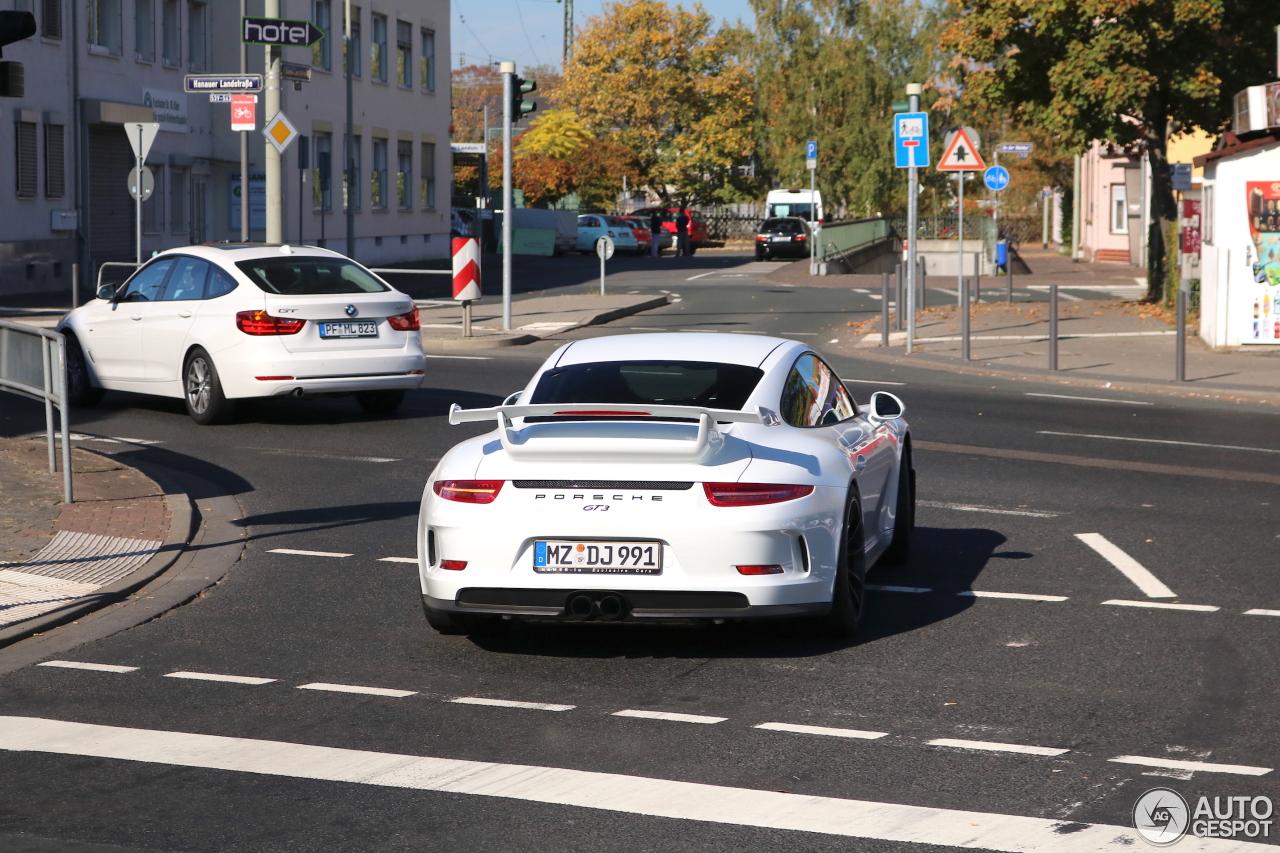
x=609, y=607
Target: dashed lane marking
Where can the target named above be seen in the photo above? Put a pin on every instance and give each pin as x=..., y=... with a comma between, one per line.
x=398, y=560
x=1161, y=441
x=887, y=588
x=1163, y=605
x=1142, y=578
x=509, y=703
x=1025, y=596
x=96, y=667
x=1200, y=766
x=667, y=715
x=990, y=746
x=1089, y=399
x=113, y=439
x=353, y=688
x=820, y=730
x=211, y=676
x=989, y=509
x=315, y=454
x=1260, y=612
x=580, y=788
x=296, y=552
x=871, y=382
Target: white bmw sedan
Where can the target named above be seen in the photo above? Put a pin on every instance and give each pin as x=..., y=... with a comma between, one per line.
x=220, y=323
x=668, y=477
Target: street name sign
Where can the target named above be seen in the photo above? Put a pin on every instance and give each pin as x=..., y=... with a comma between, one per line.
x=280, y=31
x=468, y=148
x=1022, y=149
x=961, y=154
x=996, y=178
x=295, y=71
x=238, y=83
x=280, y=132
x=911, y=140
x=219, y=97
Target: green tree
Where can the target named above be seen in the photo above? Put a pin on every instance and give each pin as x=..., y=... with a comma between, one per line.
x=1117, y=70
x=659, y=82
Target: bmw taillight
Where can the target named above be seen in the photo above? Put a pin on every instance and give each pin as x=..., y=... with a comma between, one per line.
x=752, y=494
x=800, y=238
x=260, y=323
x=468, y=491
x=760, y=238
x=408, y=322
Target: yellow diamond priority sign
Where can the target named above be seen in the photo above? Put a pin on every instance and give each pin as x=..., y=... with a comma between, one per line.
x=280, y=132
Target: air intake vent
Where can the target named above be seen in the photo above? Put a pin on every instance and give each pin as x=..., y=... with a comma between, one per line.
x=629, y=485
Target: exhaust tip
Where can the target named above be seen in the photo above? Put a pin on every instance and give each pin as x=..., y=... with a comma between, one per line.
x=612, y=607
x=581, y=606
x=297, y=392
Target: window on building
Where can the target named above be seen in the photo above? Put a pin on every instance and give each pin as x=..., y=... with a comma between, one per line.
x=404, y=53
x=378, y=188
x=179, y=202
x=104, y=26
x=171, y=32
x=153, y=207
x=355, y=50
x=322, y=17
x=378, y=49
x=55, y=164
x=351, y=175
x=51, y=19
x=26, y=170
x=1119, y=210
x=321, y=186
x=404, y=174
x=197, y=53
x=428, y=60
x=144, y=30
x=429, y=175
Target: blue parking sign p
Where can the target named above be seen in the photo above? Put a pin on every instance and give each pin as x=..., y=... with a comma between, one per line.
x=811, y=150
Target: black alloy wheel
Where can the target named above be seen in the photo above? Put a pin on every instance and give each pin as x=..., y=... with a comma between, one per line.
x=849, y=592
x=904, y=515
x=80, y=388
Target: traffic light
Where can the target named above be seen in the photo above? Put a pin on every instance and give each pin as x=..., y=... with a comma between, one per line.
x=14, y=26
x=519, y=106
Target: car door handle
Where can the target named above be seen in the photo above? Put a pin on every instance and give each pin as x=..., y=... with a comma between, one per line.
x=135, y=316
x=184, y=314
x=860, y=463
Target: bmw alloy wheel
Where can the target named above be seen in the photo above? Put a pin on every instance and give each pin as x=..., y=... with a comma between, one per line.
x=198, y=385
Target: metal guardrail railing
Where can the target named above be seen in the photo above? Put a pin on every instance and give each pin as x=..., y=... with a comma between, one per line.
x=841, y=238
x=33, y=363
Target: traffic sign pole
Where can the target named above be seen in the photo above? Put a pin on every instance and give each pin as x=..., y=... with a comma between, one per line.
x=275, y=199
x=137, y=200
x=244, y=148
x=811, y=158
x=508, y=70
x=913, y=216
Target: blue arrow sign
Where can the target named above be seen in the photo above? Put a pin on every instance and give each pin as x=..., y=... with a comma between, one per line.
x=996, y=178
x=811, y=151
x=911, y=140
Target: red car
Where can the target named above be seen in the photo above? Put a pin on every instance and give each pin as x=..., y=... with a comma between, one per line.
x=697, y=224
x=640, y=227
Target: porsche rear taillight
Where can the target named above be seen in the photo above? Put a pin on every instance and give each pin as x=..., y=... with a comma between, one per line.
x=468, y=491
x=752, y=494
x=408, y=322
x=259, y=323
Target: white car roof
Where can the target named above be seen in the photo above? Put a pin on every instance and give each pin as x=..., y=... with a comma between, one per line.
x=229, y=253
x=750, y=350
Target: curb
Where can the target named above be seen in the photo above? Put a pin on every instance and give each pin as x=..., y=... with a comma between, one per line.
x=510, y=339
x=1137, y=387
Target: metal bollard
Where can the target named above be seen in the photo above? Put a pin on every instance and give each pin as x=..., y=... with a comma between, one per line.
x=75, y=286
x=884, y=309
x=1180, y=370
x=1053, y=327
x=897, y=298
x=977, y=278
x=1008, y=275
x=922, y=302
x=964, y=319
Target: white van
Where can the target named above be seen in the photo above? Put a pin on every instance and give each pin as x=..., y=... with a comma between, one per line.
x=807, y=204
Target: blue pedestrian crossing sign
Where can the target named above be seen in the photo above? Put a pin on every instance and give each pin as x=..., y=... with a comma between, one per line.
x=911, y=140
x=996, y=178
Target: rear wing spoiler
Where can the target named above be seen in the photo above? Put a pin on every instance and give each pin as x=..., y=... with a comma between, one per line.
x=667, y=443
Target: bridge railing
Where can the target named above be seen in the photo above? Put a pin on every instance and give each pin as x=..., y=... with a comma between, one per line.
x=838, y=239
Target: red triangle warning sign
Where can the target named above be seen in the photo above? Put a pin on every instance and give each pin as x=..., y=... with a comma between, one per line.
x=961, y=155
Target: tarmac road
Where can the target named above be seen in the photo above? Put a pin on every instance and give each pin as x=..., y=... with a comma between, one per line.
x=1044, y=685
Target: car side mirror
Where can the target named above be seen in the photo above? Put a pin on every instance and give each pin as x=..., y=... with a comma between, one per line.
x=513, y=399
x=886, y=407
x=107, y=292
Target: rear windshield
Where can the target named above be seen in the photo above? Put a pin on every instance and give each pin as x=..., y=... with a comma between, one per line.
x=310, y=276
x=782, y=226
x=673, y=383
x=803, y=210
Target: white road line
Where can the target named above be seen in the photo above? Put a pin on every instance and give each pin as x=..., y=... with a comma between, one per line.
x=982, y=593
x=585, y=789
x=508, y=703
x=887, y=588
x=996, y=747
x=307, y=553
x=667, y=715
x=872, y=382
x=311, y=454
x=820, y=730
x=647, y=328
x=1161, y=441
x=1090, y=399
x=702, y=275
x=114, y=439
x=803, y=334
x=990, y=509
x=1162, y=605
x=352, y=688
x=1150, y=585
x=209, y=676
x=397, y=559
x=463, y=357
x=96, y=667
x=1200, y=766
x=1254, y=612
x=1067, y=297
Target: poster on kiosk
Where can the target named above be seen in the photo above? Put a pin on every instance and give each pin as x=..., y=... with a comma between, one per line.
x=1263, y=320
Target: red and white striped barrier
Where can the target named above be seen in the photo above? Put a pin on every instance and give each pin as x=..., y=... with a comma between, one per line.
x=466, y=269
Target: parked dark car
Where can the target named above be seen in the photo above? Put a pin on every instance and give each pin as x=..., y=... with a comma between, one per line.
x=783, y=236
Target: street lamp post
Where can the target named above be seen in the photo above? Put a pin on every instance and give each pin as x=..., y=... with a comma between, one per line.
x=350, y=171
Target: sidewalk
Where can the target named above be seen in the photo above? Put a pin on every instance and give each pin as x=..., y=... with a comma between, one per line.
x=531, y=319
x=1115, y=343
x=54, y=555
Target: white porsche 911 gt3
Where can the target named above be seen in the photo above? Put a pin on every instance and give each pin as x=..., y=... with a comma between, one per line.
x=663, y=477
